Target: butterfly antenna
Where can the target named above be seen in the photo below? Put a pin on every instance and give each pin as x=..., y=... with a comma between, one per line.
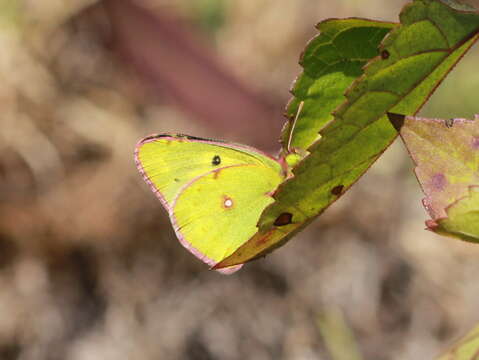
x=300, y=108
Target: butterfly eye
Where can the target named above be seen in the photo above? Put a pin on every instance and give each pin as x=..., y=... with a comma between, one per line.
x=216, y=160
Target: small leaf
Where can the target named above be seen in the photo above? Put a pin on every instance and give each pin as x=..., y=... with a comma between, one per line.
x=331, y=61
x=415, y=58
x=465, y=349
x=446, y=153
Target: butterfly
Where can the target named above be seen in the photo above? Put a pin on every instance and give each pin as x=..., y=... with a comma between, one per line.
x=214, y=191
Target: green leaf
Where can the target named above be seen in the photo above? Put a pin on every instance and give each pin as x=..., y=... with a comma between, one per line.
x=465, y=349
x=331, y=61
x=462, y=218
x=415, y=58
x=446, y=154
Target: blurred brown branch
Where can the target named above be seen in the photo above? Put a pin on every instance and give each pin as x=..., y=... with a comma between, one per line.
x=178, y=64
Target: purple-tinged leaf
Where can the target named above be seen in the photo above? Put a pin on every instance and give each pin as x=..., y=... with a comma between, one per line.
x=446, y=154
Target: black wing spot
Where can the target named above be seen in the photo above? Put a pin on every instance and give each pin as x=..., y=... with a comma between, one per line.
x=216, y=160
x=283, y=219
x=385, y=54
x=177, y=180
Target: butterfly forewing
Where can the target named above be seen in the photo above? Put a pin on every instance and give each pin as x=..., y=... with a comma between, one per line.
x=168, y=162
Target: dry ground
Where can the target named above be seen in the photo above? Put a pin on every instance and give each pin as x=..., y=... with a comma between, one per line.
x=89, y=266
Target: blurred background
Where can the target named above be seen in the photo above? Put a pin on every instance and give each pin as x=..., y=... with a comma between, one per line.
x=89, y=265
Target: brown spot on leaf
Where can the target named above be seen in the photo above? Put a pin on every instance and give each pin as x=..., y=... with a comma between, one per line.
x=337, y=190
x=449, y=123
x=439, y=182
x=264, y=239
x=283, y=219
x=385, y=54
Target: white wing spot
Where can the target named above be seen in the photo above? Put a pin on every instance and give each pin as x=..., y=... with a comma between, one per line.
x=228, y=203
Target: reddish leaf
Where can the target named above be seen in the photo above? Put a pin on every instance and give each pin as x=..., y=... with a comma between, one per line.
x=446, y=153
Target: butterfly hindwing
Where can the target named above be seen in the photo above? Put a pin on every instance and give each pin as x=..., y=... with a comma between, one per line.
x=219, y=211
